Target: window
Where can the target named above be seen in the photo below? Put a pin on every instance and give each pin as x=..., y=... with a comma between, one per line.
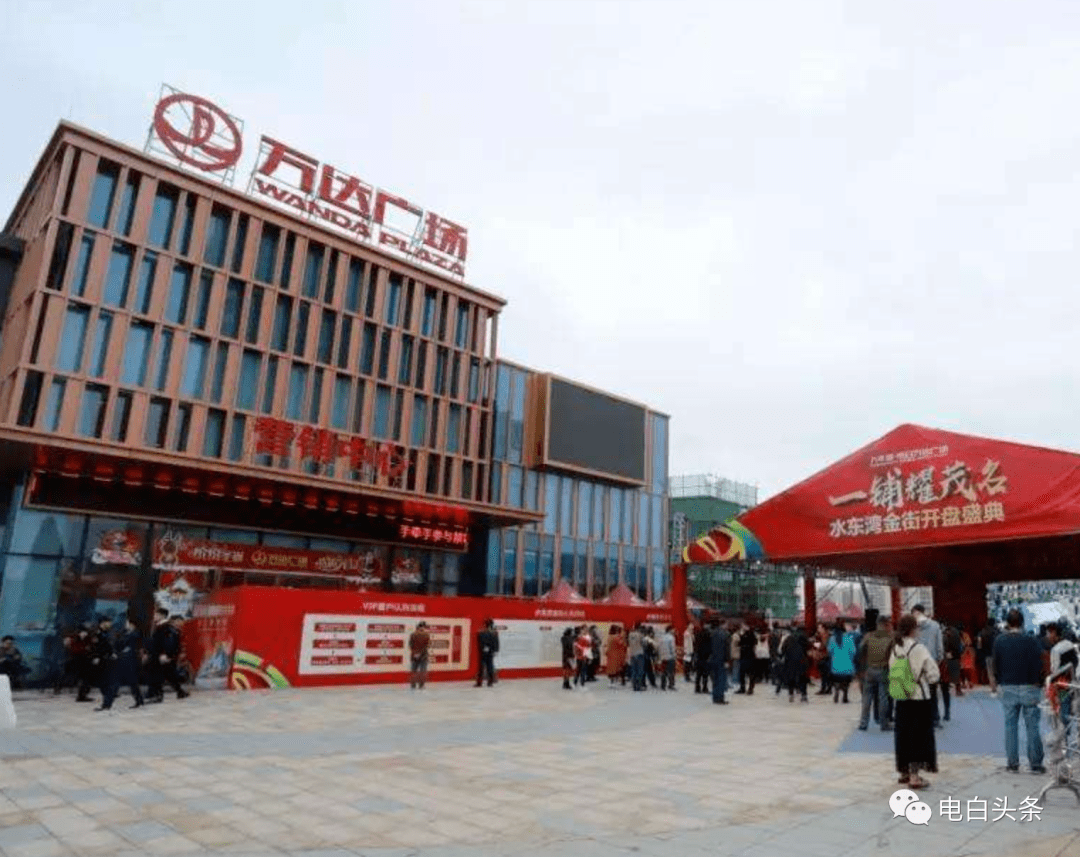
x=326, y=335
x=269, y=385
x=421, y=365
x=399, y=407
x=599, y=501
x=215, y=430
x=316, y=396
x=467, y=479
x=236, y=442
x=126, y=216
x=441, y=356
x=448, y=475
x=92, y=415
x=419, y=420
x=331, y=277
x=551, y=502
x=287, y=261
x=657, y=531
x=372, y=293
x=51, y=421
x=121, y=417
x=234, y=303
x=217, y=236
x=73, y=340
x=616, y=514
x=461, y=332
x=282, y=320
x=313, y=269
x=268, y=245
x=198, y=356
x=202, y=301
x=137, y=353
x=61, y=251
x=453, y=429
x=254, y=316
x=240, y=244
x=82, y=264
x=176, y=310
x=339, y=413
x=384, y=355
x=102, y=194
x=496, y=482
x=514, y=486
x=444, y=312
x=300, y=342
x=502, y=402
x=345, y=342
x=566, y=522
x=584, y=509
x=474, y=380
x=118, y=276
x=187, y=225
x=367, y=350
x=432, y=482
x=455, y=377
x=405, y=360
x=517, y=417
x=164, y=355
x=659, y=454
x=393, y=299
x=628, y=516
x=353, y=285
x=509, y=571
x=102, y=331
x=358, y=408
x=157, y=423
x=183, y=427
x=643, y=520
x=218, y=382
x=144, y=288
x=31, y=396
x=427, y=322
x=433, y=428
x=381, y=427
x=247, y=388
x=409, y=295
x=298, y=377
x=161, y=219
x=530, y=490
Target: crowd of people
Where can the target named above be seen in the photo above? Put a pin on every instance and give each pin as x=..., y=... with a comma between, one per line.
x=99, y=656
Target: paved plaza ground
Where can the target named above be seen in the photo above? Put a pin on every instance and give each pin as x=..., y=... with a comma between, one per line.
x=523, y=768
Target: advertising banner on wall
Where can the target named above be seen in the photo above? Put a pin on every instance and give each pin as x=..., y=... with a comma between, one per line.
x=277, y=637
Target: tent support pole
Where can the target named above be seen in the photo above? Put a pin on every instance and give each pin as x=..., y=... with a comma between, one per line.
x=809, y=600
x=897, y=604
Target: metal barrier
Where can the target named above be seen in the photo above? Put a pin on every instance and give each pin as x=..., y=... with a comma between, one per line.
x=1061, y=704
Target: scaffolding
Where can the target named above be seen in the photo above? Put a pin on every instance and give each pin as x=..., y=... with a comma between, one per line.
x=708, y=485
x=744, y=588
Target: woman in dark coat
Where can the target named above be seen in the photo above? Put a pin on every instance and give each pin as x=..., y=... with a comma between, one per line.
x=794, y=663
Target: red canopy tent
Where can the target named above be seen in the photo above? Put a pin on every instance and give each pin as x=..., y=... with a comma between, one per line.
x=563, y=593
x=828, y=611
x=623, y=596
x=925, y=507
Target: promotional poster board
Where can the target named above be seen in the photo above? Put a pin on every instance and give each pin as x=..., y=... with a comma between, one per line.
x=267, y=637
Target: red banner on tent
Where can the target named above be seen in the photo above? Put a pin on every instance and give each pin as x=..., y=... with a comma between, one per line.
x=918, y=487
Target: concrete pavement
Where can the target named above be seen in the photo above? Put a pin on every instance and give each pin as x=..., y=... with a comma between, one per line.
x=523, y=768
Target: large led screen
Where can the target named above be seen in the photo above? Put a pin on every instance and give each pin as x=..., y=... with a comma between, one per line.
x=595, y=432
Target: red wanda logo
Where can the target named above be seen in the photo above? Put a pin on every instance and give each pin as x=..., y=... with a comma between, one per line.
x=197, y=132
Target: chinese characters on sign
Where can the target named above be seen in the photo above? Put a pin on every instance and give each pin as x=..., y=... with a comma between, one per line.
x=908, y=456
x=276, y=437
x=905, y=500
x=197, y=133
x=975, y=809
x=434, y=536
x=316, y=190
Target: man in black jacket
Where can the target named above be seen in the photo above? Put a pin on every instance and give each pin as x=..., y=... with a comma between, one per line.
x=488, y=644
x=1019, y=672
x=747, y=664
x=567, y=658
x=123, y=667
x=719, y=660
x=164, y=654
x=702, y=652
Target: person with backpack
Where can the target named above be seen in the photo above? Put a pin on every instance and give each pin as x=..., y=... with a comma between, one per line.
x=912, y=672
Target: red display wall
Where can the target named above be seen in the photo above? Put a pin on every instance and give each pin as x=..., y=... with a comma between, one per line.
x=267, y=637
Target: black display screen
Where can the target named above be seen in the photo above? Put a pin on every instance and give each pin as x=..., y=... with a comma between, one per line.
x=595, y=432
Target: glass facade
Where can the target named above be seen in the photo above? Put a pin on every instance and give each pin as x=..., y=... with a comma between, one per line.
x=596, y=534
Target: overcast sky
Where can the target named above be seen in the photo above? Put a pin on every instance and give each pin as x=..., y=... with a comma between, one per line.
x=790, y=225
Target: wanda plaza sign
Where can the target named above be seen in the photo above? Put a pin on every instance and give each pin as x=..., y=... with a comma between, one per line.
x=198, y=134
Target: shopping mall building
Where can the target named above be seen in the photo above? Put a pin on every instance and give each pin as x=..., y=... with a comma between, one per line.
x=202, y=387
